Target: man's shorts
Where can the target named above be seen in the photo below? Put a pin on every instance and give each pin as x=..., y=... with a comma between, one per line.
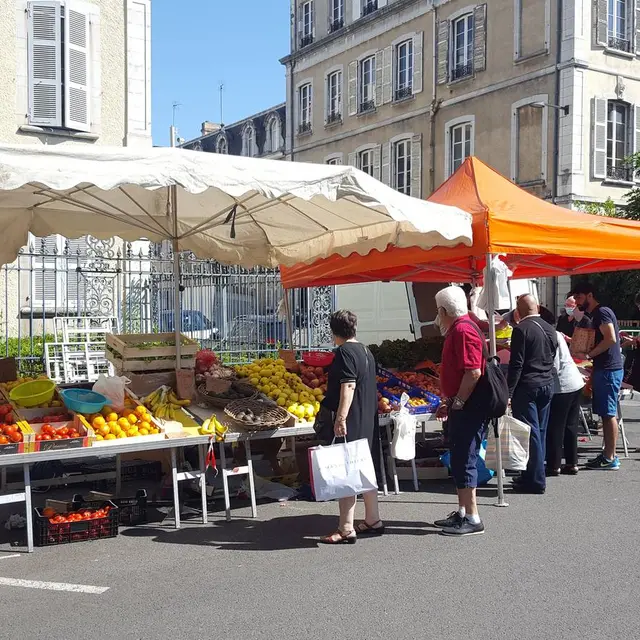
x=606, y=387
x=465, y=431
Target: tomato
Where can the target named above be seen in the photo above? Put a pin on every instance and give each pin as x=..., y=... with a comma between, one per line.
x=49, y=512
x=87, y=515
x=15, y=437
x=9, y=418
x=74, y=434
x=63, y=431
x=4, y=440
x=59, y=519
x=46, y=436
x=10, y=428
x=56, y=437
x=47, y=428
x=38, y=437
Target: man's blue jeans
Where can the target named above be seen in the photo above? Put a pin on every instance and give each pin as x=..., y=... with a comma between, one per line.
x=532, y=406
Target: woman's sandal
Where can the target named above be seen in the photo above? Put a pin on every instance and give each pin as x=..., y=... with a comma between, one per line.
x=340, y=538
x=365, y=529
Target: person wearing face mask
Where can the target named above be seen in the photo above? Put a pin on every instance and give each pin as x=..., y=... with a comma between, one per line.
x=463, y=362
x=606, y=378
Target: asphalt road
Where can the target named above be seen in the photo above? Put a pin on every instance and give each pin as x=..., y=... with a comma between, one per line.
x=564, y=565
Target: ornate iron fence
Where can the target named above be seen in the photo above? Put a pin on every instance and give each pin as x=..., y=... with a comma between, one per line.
x=237, y=312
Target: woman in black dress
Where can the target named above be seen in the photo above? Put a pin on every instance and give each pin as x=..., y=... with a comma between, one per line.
x=352, y=397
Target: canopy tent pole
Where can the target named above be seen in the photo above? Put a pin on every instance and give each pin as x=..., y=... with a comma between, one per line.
x=491, y=286
x=288, y=318
x=177, y=311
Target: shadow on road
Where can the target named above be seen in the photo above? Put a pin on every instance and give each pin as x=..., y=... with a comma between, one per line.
x=300, y=532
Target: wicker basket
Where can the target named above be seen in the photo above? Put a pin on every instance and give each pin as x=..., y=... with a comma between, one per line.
x=220, y=401
x=271, y=415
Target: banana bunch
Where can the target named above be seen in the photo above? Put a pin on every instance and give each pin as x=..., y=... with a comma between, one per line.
x=164, y=403
x=213, y=427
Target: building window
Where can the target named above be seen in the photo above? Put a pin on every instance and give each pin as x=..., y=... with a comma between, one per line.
x=221, y=145
x=462, y=56
x=273, y=135
x=59, y=65
x=618, y=20
x=369, y=6
x=367, y=82
x=249, y=146
x=336, y=15
x=365, y=161
x=404, y=70
x=304, y=109
x=334, y=160
x=334, y=97
x=460, y=145
x=618, y=139
x=402, y=166
x=307, y=24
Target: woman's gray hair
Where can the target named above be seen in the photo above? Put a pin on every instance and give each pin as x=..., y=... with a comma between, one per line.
x=453, y=300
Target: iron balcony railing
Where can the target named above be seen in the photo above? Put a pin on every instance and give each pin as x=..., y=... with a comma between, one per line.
x=403, y=92
x=367, y=105
x=305, y=41
x=620, y=44
x=369, y=7
x=623, y=173
x=462, y=71
x=304, y=127
x=336, y=25
x=334, y=117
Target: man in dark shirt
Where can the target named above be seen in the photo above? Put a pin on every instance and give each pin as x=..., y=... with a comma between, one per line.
x=533, y=348
x=606, y=378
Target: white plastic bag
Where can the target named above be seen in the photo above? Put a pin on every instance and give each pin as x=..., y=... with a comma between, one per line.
x=514, y=441
x=403, y=445
x=113, y=388
x=342, y=470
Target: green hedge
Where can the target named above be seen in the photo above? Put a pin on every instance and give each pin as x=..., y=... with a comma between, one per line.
x=28, y=351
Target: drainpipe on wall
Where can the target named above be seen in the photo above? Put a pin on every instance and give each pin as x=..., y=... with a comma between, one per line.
x=292, y=90
x=435, y=106
x=556, y=135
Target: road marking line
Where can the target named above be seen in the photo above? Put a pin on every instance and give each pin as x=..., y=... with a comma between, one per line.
x=52, y=586
x=13, y=555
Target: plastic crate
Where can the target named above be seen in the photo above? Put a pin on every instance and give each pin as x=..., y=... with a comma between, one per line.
x=433, y=402
x=47, y=534
x=132, y=510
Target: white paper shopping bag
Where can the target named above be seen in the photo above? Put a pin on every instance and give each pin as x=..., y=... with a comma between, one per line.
x=342, y=470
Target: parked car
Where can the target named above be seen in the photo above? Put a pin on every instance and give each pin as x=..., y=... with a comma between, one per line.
x=195, y=325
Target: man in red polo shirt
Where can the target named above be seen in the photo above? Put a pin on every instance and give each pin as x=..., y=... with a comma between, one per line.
x=462, y=366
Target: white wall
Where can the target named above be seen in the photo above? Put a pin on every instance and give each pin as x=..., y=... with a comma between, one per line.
x=382, y=309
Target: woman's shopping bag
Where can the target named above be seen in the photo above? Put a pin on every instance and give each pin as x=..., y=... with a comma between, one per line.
x=514, y=440
x=342, y=470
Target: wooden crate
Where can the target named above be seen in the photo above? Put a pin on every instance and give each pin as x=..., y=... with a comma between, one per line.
x=126, y=354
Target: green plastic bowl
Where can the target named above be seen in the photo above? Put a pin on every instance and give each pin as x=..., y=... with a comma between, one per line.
x=31, y=394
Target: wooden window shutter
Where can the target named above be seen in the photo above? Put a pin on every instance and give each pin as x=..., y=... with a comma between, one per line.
x=382, y=3
x=386, y=163
x=599, y=138
x=379, y=78
x=637, y=26
x=74, y=292
x=387, y=75
x=443, y=52
x=353, y=160
x=77, y=92
x=313, y=20
x=356, y=9
x=45, y=63
x=636, y=136
x=480, y=38
x=418, y=46
x=416, y=166
x=376, y=162
x=353, y=88
x=601, y=10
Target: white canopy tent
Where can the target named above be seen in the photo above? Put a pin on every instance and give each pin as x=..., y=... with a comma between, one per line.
x=244, y=211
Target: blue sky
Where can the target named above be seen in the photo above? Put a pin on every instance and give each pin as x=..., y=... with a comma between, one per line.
x=197, y=44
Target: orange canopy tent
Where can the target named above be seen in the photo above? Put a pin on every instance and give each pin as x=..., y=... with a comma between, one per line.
x=539, y=239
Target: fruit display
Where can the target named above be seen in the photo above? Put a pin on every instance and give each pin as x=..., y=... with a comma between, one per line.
x=407, y=354
x=213, y=427
x=164, y=403
x=85, y=523
x=286, y=388
x=209, y=366
x=132, y=422
x=48, y=432
x=421, y=381
x=10, y=434
x=314, y=377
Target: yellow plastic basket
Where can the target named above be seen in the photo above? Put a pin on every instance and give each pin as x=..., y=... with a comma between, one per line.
x=31, y=394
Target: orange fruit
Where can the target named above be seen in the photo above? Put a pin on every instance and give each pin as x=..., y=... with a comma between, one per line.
x=144, y=432
x=145, y=425
x=98, y=422
x=124, y=423
x=112, y=424
x=112, y=417
x=132, y=418
x=140, y=410
x=104, y=430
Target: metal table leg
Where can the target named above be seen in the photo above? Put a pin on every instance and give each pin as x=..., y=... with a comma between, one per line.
x=392, y=462
x=27, y=506
x=414, y=473
x=118, y=474
x=252, y=488
x=203, y=482
x=176, y=490
x=385, y=488
x=225, y=482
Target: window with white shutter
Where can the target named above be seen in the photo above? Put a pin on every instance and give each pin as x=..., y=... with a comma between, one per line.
x=620, y=140
x=418, y=46
x=45, y=63
x=334, y=98
x=404, y=70
x=386, y=164
x=416, y=166
x=304, y=108
x=365, y=161
x=459, y=142
x=76, y=68
x=367, y=85
x=352, y=88
x=308, y=30
x=599, y=138
x=462, y=49
x=59, y=65
x=402, y=166
x=443, y=52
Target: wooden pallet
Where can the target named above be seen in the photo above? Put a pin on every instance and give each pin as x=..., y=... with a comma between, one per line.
x=126, y=353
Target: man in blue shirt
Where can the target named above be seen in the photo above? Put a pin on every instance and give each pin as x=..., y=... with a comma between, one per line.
x=607, y=372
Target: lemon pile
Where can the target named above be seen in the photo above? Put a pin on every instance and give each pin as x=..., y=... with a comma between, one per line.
x=286, y=388
x=130, y=423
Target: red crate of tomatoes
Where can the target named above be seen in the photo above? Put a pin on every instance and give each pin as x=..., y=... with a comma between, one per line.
x=14, y=437
x=85, y=523
x=60, y=432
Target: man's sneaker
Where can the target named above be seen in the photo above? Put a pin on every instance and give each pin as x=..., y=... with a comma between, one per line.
x=464, y=528
x=603, y=463
x=452, y=520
